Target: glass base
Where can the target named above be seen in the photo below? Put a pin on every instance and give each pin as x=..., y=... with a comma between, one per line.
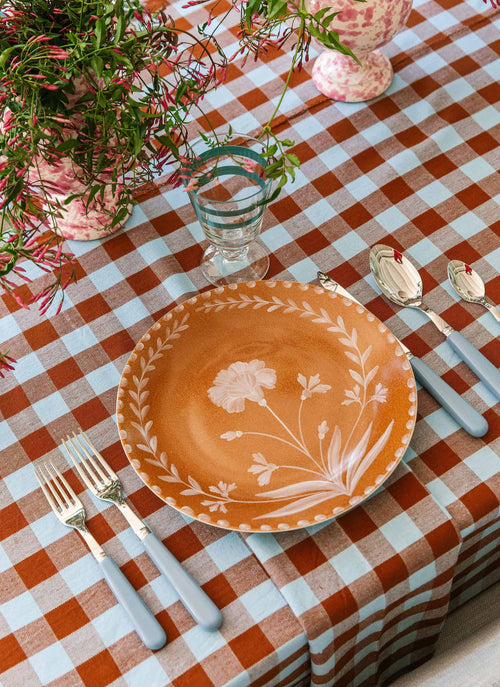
x=220, y=271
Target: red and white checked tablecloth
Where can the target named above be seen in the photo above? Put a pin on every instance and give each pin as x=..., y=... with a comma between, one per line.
x=355, y=601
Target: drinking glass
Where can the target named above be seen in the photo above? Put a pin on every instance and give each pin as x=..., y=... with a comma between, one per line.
x=228, y=189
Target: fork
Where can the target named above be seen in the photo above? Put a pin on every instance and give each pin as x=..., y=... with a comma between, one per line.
x=104, y=483
x=70, y=511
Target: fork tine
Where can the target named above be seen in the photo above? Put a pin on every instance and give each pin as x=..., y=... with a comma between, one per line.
x=87, y=461
x=42, y=480
x=87, y=477
x=97, y=460
x=62, y=483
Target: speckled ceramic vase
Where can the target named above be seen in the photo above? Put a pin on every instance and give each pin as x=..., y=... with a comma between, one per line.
x=364, y=27
x=77, y=220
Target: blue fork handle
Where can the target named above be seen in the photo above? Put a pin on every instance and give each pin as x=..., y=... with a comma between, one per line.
x=199, y=605
x=146, y=625
x=483, y=368
x=461, y=411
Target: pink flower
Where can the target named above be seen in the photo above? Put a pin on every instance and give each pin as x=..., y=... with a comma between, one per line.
x=240, y=382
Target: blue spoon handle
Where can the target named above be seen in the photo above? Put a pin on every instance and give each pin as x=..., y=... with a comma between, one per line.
x=483, y=368
x=461, y=411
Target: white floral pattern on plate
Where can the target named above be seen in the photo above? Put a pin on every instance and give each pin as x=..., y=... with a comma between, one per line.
x=310, y=458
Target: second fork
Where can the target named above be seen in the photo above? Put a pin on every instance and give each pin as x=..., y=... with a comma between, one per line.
x=104, y=483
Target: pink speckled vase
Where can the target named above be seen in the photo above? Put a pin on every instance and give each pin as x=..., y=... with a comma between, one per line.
x=364, y=27
x=76, y=221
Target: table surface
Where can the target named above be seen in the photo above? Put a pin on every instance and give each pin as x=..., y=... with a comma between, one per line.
x=354, y=601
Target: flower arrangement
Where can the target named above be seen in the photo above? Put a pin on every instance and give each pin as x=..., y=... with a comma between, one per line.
x=109, y=89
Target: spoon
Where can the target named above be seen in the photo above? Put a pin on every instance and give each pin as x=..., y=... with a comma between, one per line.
x=469, y=286
x=461, y=411
x=400, y=282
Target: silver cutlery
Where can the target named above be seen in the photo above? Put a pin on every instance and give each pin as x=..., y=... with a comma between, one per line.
x=468, y=285
x=104, y=483
x=461, y=411
x=70, y=511
x=400, y=282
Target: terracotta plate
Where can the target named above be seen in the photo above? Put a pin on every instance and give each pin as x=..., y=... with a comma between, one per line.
x=266, y=406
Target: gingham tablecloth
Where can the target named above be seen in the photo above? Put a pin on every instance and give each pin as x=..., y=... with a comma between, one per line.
x=354, y=601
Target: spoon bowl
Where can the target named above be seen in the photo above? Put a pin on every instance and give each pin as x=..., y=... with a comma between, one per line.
x=468, y=285
x=400, y=282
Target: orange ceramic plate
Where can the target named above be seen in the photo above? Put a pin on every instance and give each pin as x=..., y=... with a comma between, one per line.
x=266, y=406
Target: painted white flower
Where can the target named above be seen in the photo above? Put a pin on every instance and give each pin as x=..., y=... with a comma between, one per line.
x=262, y=468
x=312, y=386
x=215, y=506
x=222, y=489
x=230, y=436
x=352, y=396
x=239, y=382
x=380, y=393
x=323, y=430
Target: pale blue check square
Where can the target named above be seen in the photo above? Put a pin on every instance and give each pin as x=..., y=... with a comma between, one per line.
x=7, y=437
x=409, y=622
x=51, y=663
x=375, y=606
x=361, y=187
x=28, y=366
x=391, y=219
x=21, y=482
x=442, y=20
x=434, y=193
x=350, y=245
x=441, y=493
x=196, y=231
x=304, y=271
x=467, y=225
x=5, y=563
x=324, y=640
x=404, y=162
x=419, y=111
x=459, y=89
x=262, y=601
x=227, y=551
x=136, y=218
x=300, y=181
x=290, y=101
x=222, y=97
x=81, y=574
x=149, y=673
x=442, y=423
x=48, y=529
x=50, y=408
x=106, y=277
x=422, y=576
x=9, y=328
x=112, y=625
x=376, y=626
x=494, y=257
x=176, y=198
x=20, y=611
x=334, y=157
x=350, y=564
x=432, y=62
x=416, y=599
x=320, y=212
x=299, y=596
x=485, y=463
x=103, y=378
x=79, y=340
x=425, y=251
x=447, y=138
x=131, y=312
x=245, y=122
x=487, y=118
x=265, y=546
x=401, y=532
x=154, y=250
x=178, y=284
x=377, y=133
x=477, y=169
x=130, y=542
x=308, y=128
x=203, y=643
x=275, y=238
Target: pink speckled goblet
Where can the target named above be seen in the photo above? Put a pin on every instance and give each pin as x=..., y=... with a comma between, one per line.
x=364, y=27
